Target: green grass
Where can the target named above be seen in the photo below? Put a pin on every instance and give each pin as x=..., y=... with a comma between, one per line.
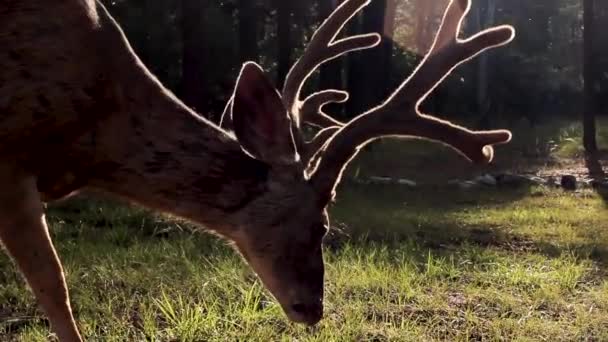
x=430, y=265
x=571, y=140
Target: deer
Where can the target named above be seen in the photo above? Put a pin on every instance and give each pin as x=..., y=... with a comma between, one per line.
x=79, y=111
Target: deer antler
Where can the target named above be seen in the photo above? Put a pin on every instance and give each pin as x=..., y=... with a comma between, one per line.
x=400, y=116
x=322, y=48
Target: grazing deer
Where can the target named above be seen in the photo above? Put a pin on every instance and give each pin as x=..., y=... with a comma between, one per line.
x=78, y=110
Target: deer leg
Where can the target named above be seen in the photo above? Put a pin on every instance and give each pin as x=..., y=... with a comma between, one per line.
x=24, y=234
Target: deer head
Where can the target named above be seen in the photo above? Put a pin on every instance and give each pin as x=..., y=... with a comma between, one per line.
x=280, y=233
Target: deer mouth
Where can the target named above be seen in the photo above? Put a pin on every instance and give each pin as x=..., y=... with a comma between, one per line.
x=305, y=313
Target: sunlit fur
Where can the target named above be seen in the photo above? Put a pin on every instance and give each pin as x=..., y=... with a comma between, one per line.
x=80, y=111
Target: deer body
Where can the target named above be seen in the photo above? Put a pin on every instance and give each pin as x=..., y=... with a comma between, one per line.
x=78, y=110
x=99, y=119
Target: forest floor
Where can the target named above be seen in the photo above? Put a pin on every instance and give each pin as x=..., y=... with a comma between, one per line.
x=427, y=264
x=551, y=149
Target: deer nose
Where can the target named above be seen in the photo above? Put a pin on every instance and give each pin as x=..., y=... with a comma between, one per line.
x=308, y=313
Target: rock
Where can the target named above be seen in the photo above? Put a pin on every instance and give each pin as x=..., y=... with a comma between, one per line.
x=551, y=182
x=357, y=180
x=381, y=180
x=377, y=180
x=467, y=185
x=508, y=179
x=537, y=180
x=488, y=180
x=587, y=183
x=569, y=182
x=407, y=183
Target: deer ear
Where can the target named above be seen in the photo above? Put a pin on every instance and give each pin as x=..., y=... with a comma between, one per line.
x=261, y=122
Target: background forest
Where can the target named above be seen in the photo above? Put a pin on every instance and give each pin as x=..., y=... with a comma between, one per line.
x=423, y=245
x=196, y=48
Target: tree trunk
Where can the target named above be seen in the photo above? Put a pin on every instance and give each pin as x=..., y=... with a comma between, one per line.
x=194, y=58
x=390, y=15
x=284, y=12
x=331, y=72
x=483, y=72
x=377, y=60
x=589, y=129
x=369, y=70
x=248, y=39
x=355, y=82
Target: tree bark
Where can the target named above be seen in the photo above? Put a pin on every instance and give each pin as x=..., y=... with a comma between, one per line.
x=354, y=81
x=377, y=60
x=194, y=59
x=248, y=29
x=331, y=72
x=284, y=12
x=483, y=72
x=390, y=15
x=589, y=125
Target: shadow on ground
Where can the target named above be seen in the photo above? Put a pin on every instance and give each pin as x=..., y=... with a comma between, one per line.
x=531, y=150
x=433, y=219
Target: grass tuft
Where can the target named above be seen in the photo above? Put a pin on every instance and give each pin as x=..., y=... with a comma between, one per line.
x=426, y=265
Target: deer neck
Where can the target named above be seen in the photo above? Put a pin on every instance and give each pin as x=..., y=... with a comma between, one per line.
x=140, y=143
x=159, y=154
x=175, y=161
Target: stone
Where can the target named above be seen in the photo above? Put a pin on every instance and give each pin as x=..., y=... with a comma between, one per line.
x=467, y=185
x=551, y=182
x=569, y=182
x=512, y=180
x=381, y=180
x=407, y=182
x=488, y=180
x=537, y=180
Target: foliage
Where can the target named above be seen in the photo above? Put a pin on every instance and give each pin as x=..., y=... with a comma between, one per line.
x=536, y=77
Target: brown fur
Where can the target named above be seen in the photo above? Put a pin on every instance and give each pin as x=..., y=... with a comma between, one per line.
x=78, y=110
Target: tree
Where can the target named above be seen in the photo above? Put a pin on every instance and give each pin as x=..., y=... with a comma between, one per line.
x=369, y=70
x=600, y=11
x=331, y=73
x=483, y=72
x=388, y=32
x=194, y=57
x=589, y=129
x=248, y=30
x=284, y=12
x=354, y=68
x=376, y=77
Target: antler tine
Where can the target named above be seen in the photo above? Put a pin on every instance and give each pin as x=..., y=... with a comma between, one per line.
x=451, y=23
x=448, y=52
x=322, y=48
x=315, y=146
x=312, y=108
x=399, y=116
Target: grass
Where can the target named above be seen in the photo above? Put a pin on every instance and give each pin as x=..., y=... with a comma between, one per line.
x=555, y=144
x=571, y=142
x=430, y=265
